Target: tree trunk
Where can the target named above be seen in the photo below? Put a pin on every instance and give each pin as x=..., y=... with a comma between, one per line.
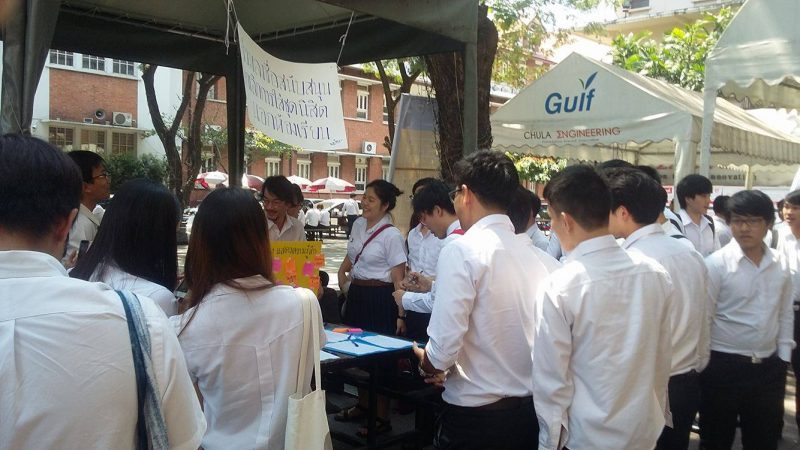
x=446, y=72
x=192, y=154
x=391, y=99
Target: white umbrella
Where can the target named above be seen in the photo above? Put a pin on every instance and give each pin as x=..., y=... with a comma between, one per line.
x=331, y=184
x=211, y=179
x=300, y=181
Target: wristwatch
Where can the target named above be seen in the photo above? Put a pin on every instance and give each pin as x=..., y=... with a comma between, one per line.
x=399, y=317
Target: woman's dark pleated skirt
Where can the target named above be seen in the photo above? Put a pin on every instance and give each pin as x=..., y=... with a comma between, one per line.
x=372, y=308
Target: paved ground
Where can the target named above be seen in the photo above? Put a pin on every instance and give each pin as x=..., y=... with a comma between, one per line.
x=335, y=250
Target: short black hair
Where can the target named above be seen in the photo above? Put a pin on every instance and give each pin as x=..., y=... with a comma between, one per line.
x=298, y=194
x=651, y=172
x=86, y=162
x=519, y=210
x=582, y=193
x=793, y=198
x=491, y=175
x=386, y=192
x=280, y=187
x=692, y=185
x=39, y=184
x=721, y=206
x=612, y=164
x=422, y=182
x=433, y=194
x=639, y=193
x=324, y=278
x=752, y=203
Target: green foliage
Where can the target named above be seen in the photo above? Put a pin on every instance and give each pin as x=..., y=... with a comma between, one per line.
x=260, y=144
x=537, y=169
x=680, y=58
x=126, y=166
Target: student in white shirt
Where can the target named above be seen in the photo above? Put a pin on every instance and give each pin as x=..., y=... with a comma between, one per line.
x=481, y=329
x=721, y=219
x=242, y=335
x=694, y=194
x=669, y=221
x=434, y=209
x=312, y=222
x=637, y=202
x=602, y=349
x=538, y=238
x=67, y=370
x=375, y=264
x=789, y=247
x=350, y=210
x=751, y=332
x=96, y=188
x=277, y=196
x=136, y=248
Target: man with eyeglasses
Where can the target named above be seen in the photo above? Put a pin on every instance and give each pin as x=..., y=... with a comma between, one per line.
x=277, y=196
x=750, y=289
x=96, y=188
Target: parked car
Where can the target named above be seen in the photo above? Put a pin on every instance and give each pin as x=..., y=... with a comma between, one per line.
x=335, y=205
x=309, y=203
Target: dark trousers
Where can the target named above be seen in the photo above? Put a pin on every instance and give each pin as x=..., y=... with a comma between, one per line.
x=796, y=364
x=732, y=388
x=511, y=427
x=684, y=400
x=350, y=221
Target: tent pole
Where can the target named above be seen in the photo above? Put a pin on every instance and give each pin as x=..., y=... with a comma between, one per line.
x=236, y=102
x=685, y=156
x=748, y=177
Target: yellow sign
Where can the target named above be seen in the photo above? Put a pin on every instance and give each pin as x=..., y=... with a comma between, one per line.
x=297, y=263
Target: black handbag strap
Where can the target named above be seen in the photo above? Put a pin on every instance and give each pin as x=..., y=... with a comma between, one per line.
x=138, y=367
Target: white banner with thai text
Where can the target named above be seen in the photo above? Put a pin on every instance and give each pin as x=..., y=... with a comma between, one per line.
x=297, y=104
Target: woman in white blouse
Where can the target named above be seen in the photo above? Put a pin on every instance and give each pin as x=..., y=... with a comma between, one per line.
x=375, y=266
x=136, y=248
x=242, y=335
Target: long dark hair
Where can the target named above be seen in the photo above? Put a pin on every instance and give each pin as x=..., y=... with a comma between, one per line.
x=229, y=241
x=137, y=234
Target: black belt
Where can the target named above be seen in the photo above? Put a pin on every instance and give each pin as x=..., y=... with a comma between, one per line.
x=503, y=404
x=743, y=358
x=370, y=283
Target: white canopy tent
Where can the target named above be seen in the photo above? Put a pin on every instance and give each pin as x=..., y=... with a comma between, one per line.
x=758, y=58
x=588, y=110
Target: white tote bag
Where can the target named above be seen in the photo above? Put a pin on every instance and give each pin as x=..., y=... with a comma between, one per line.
x=307, y=423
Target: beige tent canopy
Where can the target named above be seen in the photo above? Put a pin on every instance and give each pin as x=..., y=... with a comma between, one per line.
x=588, y=110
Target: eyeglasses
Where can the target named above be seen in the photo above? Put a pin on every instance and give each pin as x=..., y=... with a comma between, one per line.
x=104, y=174
x=453, y=194
x=749, y=221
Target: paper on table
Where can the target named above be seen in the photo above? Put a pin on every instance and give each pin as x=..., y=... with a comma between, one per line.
x=335, y=337
x=384, y=341
x=324, y=356
x=350, y=348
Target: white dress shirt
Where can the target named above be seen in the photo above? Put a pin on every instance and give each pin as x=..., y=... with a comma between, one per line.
x=674, y=232
x=540, y=241
x=242, y=348
x=690, y=308
x=83, y=229
x=293, y=230
x=554, y=247
x=482, y=322
x=123, y=281
x=602, y=352
x=301, y=216
x=723, y=231
x=350, y=207
x=66, y=365
x=385, y=251
x=705, y=240
x=325, y=218
x=422, y=302
x=789, y=248
x=670, y=215
x=423, y=251
x=312, y=218
x=753, y=313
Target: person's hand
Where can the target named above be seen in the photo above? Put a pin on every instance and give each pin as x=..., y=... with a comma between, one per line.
x=401, y=327
x=437, y=379
x=398, y=296
x=416, y=282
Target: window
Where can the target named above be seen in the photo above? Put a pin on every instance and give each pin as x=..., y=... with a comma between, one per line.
x=361, y=177
x=362, y=102
x=94, y=62
x=385, y=171
x=93, y=140
x=123, y=143
x=62, y=137
x=385, y=110
x=333, y=170
x=212, y=92
x=209, y=163
x=273, y=166
x=122, y=67
x=61, y=58
x=304, y=169
x=639, y=4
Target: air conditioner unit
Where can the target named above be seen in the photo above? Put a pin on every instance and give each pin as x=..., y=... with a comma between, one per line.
x=88, y=120
x=368, y=148
x=122, y=119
